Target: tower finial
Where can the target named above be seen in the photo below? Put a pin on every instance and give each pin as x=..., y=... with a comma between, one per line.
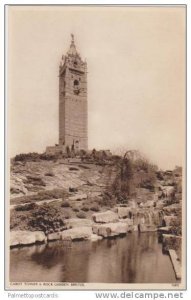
x=72, y=50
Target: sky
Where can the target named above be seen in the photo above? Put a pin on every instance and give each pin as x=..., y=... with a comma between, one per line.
x=136, y=77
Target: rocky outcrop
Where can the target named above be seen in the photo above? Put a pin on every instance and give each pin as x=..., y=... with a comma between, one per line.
x=78, y=233
x=110, y=229
x=75, y=222
x=172, y=209
x=54, y=236
x=94, y=237
x=147, y=219
x=123, y=212
x=170, y=220
x=23, y=238
x=171, y=241
x=160, y=204
x=148, y=204
x=105, y=217
x=163, y=230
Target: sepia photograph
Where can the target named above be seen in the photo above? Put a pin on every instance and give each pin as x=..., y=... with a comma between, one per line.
x=96, y=147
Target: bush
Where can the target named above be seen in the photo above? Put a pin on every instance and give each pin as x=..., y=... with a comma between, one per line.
x=76, y=209
x=34, y=180
x=26, y=207
x=65, y=204
x=73, y=190
x=85, y=208
x=51, y=157
x=66, y=215
x=73, y=169
x=49, y=174
x=46, y=218
x=32, y=156
x=42, y=195
x=81, y=215
x=95, y=208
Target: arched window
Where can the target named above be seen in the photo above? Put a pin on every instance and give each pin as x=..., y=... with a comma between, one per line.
x=76, y=87
x=76, y=82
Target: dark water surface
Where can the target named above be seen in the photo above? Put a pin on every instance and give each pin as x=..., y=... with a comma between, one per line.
x=136, y=258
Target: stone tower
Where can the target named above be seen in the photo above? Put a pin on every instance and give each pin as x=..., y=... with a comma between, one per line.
x=73, y=100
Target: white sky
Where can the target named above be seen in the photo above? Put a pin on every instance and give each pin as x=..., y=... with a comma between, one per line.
x=136, y=79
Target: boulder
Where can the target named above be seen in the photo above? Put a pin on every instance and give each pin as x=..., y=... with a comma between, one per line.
x=105, y=217
x=148, y=204
x=172, y=209
x=170, y=220
x=135, y=228
x=76, y=222
x=78, y=197
x=160, y=204
x=23, y=237
x=78, y=233
x=54, y=236
x=165, y=229
x=127, y=221
x=110, y=229
x=94, y=237
x=171, y=241
x=123, y=212
x=168, y=190
x=161, y=231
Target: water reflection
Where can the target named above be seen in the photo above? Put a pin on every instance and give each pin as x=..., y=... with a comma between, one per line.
x=136, y=258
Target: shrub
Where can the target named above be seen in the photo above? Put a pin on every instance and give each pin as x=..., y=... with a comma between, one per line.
x=95, y=208
x=81, y=215
x=73, y=169
x=49, y=174
x=32, y=156
x=35, y=180
x=51, y=157
x=26, y=207
x=76, y=209
x=73, y=190
x=46, y=218
x=14, y=190
x=85, y=208
x=65, y=204
x=66, y=215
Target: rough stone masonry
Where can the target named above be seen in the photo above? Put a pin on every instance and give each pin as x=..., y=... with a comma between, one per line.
x=73, y=100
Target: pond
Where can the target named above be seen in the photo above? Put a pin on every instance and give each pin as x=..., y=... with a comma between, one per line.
x=135, y=258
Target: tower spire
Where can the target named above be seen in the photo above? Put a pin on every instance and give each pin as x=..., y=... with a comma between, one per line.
x=72, y=50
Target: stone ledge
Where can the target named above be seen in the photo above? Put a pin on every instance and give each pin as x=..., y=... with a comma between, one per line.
x=105, y=217
x=23, y=238
x=176, y=263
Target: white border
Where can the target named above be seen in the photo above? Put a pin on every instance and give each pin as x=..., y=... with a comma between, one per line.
x=89, y=294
